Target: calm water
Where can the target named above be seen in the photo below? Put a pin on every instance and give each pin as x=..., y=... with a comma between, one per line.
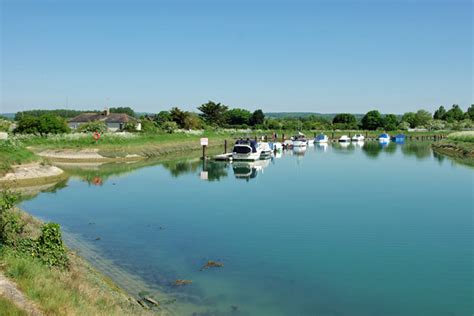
x=331, y=231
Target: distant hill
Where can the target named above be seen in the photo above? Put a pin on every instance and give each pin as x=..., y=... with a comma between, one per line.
x=9, y=116
x=328, y=116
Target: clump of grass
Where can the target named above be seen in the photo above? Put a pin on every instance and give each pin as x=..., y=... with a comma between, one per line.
x=7, y=308
x=467, y=136
x=14, y=152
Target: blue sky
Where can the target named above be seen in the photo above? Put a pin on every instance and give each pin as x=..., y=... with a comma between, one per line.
x=320, y=56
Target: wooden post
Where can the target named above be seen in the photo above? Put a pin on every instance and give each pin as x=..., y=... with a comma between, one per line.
x=225, y=146
x=204, y=152
x=283, y=137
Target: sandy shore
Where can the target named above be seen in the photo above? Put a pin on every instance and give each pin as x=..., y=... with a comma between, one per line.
x=29, y=173
x=83, y=155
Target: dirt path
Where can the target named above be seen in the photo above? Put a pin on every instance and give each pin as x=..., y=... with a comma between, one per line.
x=9, y=290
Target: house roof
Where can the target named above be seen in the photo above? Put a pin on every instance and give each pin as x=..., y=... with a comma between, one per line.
x=110, y=118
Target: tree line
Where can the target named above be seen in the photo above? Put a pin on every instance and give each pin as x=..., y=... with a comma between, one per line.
x=217, y=115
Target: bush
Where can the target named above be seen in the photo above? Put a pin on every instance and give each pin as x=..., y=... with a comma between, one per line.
x=48, y=247
x=169, y=127
x=45, y=124
x=92, y=127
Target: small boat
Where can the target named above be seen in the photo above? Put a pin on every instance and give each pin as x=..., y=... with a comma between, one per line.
x=358, y=138
x=399, y=139
x=266, y=150
x=384, y=138
x=310, y=142
x=276, y=147
x=344, y=139
x=299, y=140
x=321, y=138
x=246, y=150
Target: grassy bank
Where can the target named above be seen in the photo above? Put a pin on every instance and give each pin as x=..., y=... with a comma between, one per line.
x=14, y=153
x=460, y=144
x=56, y=280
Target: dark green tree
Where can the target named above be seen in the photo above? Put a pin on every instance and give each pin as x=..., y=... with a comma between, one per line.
x=344, y=118
x=257, y=118
x=440, y=113
x=422, y=118
x=390, y=122
x=238, y=117
x=213, y=113
x=470, y=112
x=163, y=116
x=410, y=118
x=372, y=120
x=178, y=116
x=126, y=110
x=45, y=124
x=454, y=114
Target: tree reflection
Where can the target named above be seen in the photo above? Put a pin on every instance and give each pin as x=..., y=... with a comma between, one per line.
x=372, y=149
x=418, y=149
x=215, y=170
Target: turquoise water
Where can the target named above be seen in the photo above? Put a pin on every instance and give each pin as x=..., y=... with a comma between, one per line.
x=331, y=231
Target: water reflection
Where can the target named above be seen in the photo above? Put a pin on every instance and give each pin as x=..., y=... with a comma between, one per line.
x=249, y=170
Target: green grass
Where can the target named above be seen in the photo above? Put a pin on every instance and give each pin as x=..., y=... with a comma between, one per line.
x=467, y=137
x=14, y=153
x=7, y=308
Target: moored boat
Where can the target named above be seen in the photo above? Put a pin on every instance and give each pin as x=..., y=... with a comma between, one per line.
x=344, y=139
x=358, y=138
x=321, y=138
x=246, y=150
x=384, y=138
x=300, y=140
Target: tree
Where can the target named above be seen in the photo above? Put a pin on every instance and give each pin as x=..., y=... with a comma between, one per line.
x=422, y=118
x=45, y=124
x=163, y=116
x=440, y=113
x=470, y=112
x=344, y=118
x=372, y=120
x=390, y=122
x=91, y=127
x=454, y=114
x=192, y=121
x=213, y=113
x=410, y=118
x=178, y=116
x=238, y=117
x=257, y=118
x=126, y=110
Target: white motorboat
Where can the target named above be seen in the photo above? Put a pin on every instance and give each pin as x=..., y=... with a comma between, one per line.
x=246, y=150
x=344, y=139
x=358, y=138
x=299, y=140
x=266, y=150
x=321, y=138
x=288, y=143
x=384, y=138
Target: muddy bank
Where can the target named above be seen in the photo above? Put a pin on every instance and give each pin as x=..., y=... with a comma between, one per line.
x=32, y=174
x=454, y=149
x=84, y=155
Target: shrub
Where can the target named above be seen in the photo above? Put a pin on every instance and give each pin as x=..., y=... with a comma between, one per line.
x=92, y=127
x=169, y=127
x=49, y=246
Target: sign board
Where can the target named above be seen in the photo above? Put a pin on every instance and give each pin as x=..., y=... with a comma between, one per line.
x=204, y=141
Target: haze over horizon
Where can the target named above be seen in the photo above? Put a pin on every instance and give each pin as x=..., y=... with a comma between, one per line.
x=280, y=56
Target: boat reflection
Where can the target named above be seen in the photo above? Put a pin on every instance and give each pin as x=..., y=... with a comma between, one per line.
x=249, y=170
x=299, y=151
x=322, y=146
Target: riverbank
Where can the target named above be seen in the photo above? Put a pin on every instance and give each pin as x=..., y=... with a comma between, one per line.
x=29, y=284
x=460, y=144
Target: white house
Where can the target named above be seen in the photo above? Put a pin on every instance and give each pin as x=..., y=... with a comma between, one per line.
x=114, y=121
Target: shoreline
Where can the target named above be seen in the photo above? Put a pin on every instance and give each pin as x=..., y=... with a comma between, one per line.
x=454, y=149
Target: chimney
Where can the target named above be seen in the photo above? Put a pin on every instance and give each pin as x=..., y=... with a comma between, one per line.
x=106, y=111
